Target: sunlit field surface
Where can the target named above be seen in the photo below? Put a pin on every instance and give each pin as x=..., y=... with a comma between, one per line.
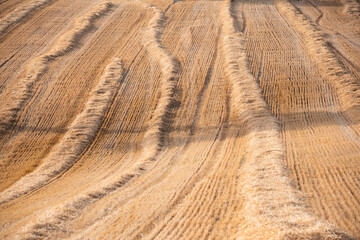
x=160, y=119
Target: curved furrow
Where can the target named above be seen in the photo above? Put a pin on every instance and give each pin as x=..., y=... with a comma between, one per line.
x=34, y=36
x=307, y=107
x=81, y=131
x=184, y=188
x=195, y=202
x=197, y=151
x=159, y=122
x=339, y=31
x=273, y=208
x=320, y=14
x=62, y=214
x=320, y=49
x=20, y=13
x=205, y=152
x=169, y=163
x=160, y=118
x=22, y=92
x=198, y=214
x=116, y=128
x=206, y=202
x=65, y=154
x=63, y=91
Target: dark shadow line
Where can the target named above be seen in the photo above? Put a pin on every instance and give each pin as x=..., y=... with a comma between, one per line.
x=318, y=118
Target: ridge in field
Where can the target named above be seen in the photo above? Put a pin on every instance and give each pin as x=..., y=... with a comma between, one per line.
x=169, y=66
x=151, y=145
x=332, y=69
x=75, y=140
x=180, y=120
x=352, y=7
x=273, y=209
x=23, y=91
x=20, y=13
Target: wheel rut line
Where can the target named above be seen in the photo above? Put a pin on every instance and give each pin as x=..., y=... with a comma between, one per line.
x=205, y=86
x=216, y=183
x=2, y=88
x=205, y=190
x=180, y=197
x=172, y=4
x=181, y=228
x=1, y=65
x=349, y=40
x=330, y=43
x=164, y=174
x=158, y=232
x=321, y=14
x=260, y=68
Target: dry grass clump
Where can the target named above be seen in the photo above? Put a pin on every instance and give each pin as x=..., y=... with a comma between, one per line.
x=273, y=208
x=20, y=13
x=22, y=92
x=320, y=49
x=81, y=131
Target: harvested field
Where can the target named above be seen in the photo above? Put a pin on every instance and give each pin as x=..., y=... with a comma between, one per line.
x=160, y=119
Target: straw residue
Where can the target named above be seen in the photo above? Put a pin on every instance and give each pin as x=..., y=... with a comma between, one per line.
x=273, y=208
x=321, y=50
x=53, y=220
x=80, y=133
x=20, y=13
x=19, y=95
x=158, y=125
x=352, y=7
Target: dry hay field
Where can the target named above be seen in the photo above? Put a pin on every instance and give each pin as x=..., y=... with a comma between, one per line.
x=160, y=119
